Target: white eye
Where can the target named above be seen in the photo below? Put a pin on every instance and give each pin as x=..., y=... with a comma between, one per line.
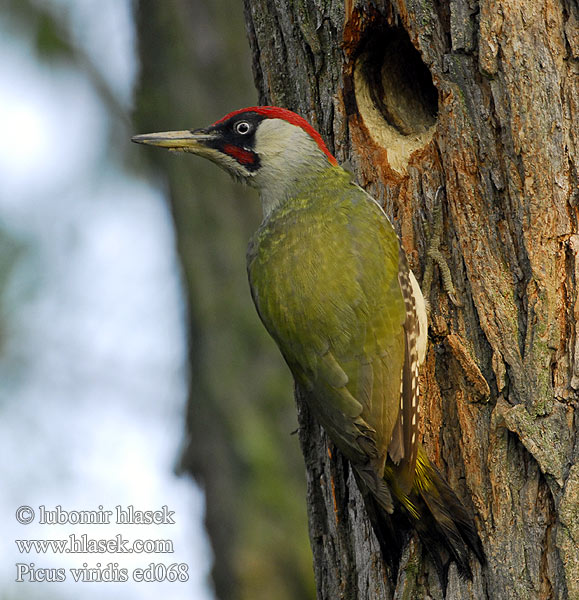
x=243, y=127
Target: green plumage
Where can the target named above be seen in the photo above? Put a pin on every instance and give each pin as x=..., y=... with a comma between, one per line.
x=324, y=277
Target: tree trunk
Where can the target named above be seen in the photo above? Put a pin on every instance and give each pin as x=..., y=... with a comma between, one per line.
x=480, y=98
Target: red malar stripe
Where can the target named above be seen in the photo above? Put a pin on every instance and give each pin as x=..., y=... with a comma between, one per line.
x=244, y=157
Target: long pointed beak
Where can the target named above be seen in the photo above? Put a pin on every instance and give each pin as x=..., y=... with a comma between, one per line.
x=186, y=141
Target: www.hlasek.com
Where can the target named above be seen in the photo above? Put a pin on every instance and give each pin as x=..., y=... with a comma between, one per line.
x=83, y=544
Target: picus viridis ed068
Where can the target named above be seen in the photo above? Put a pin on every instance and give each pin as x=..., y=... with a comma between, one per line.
x=332, y=286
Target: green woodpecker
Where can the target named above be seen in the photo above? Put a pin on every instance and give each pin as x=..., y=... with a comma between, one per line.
x=332, y=286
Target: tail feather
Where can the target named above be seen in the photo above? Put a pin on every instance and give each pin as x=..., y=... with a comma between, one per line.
x=446, y=519
x=392, y=529
x=444, y=526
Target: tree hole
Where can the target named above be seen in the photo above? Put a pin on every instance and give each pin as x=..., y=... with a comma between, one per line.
x=395, y=94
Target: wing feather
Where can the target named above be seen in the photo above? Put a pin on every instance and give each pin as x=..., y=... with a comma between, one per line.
x=331, y=299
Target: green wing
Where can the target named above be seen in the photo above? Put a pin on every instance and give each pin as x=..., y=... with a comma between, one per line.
x=324, y=278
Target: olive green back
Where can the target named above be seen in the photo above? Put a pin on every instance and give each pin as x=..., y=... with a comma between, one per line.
x=323, y=271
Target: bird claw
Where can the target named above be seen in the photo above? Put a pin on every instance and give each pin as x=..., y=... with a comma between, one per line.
x=435, y=256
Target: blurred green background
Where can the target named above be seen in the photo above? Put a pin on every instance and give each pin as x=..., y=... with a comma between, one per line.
x=130, y=352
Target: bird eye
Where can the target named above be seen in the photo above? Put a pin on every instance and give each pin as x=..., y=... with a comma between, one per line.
x=243, y=127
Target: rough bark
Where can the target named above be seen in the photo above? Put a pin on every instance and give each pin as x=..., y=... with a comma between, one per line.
x=499, y=132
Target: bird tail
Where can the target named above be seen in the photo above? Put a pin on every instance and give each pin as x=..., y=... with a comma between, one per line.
x=432, y=509
x=443, y=523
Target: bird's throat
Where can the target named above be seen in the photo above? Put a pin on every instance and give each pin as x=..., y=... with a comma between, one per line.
x=302, y=183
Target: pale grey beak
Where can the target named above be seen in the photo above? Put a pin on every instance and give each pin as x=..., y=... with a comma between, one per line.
x=186, y=141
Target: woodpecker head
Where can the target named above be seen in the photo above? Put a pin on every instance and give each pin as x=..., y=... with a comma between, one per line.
x=267, y=147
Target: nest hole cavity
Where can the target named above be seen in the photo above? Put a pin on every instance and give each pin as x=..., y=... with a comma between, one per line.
x=395, y=94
